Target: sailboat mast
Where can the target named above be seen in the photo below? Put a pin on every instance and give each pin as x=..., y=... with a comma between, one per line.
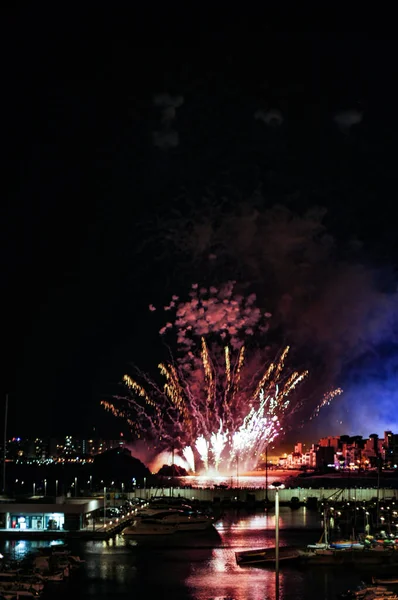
x=325, y=523
x=5, y=444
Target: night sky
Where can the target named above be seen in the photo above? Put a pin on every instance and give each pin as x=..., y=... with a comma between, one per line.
x=90, y=188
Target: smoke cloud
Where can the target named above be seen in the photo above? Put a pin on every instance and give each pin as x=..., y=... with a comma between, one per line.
x=167, y=137
x=332, y=306
x=271, y=117
x=345, y=119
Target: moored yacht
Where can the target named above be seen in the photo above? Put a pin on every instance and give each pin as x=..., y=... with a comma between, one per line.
x=165, y=522
x=184, y=520
x=148, y=527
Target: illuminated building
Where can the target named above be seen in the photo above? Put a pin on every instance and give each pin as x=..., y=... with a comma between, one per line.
x=390, y=449
x=330, y=442
x=71, y=515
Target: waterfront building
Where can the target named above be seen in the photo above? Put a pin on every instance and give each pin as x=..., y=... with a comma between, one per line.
x=70, y=514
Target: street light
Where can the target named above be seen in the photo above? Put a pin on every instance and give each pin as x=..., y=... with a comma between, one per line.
x=276, y=485
x=145, y=488
x=75, y=487
x=56, y=487
x=104, y=506
x=266, y=474
x=34, y=489
x=91, y=483
x=45, y=487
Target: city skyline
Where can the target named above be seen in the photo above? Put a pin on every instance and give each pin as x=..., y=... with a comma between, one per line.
x=355, y=451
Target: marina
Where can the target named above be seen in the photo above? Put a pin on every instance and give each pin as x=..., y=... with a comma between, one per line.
x=202, y=564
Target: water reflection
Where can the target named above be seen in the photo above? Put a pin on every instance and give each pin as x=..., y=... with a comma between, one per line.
x=225, y=579
x=288, y=519
x=18, y=549
x=202, y=567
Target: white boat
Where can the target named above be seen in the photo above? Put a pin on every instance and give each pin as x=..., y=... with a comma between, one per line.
x=154, y=509
x=148, y=528
x=183, y=520
x=319, y=546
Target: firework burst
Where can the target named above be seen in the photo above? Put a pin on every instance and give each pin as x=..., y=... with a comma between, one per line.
x=220, y=401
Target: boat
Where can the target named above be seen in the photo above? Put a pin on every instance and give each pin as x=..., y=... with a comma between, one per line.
x=318, y=546
x=370, y=592
x=15, y=590
x=53, y=577
x=326, y=544
x=295, y=502
x=44, y=565
x=346, y=545
x=346, y=556
x=266, y=556
x=15, y=595
x=385, y=580
x=182, y=520
x=32, y=585
x=161, y=506
x=27, y=581
x=148, y=528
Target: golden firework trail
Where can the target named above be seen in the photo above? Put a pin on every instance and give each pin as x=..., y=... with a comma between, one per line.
x=207, y=370
x=218, y=400
x=218, y=420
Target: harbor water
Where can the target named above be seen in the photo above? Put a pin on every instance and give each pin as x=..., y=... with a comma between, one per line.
x=200, y=566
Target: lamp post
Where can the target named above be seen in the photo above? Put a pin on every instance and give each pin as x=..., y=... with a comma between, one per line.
x=378, y=490
x=56, y=487
x=34, y=489
x=145, y=488
x=277, y=485
x=266, y=474
x=45, y=487
x=104, y=506
x=91, y=483
x=75, y=487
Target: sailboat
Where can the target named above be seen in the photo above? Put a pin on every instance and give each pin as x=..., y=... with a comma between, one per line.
x=336, y=545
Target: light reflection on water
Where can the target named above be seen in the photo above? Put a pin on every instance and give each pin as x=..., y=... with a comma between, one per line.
x=264, y=523
x=118, y=569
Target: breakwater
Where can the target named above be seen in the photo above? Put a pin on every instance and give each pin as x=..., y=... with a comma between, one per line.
x=257, y=495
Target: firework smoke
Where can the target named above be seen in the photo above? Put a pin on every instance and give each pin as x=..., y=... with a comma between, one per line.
x=220, y=401
x=332, y=305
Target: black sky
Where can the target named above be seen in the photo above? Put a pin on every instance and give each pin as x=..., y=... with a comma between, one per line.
x=83, y=179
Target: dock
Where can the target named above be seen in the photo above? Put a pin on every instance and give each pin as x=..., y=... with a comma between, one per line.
x=98, y=533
